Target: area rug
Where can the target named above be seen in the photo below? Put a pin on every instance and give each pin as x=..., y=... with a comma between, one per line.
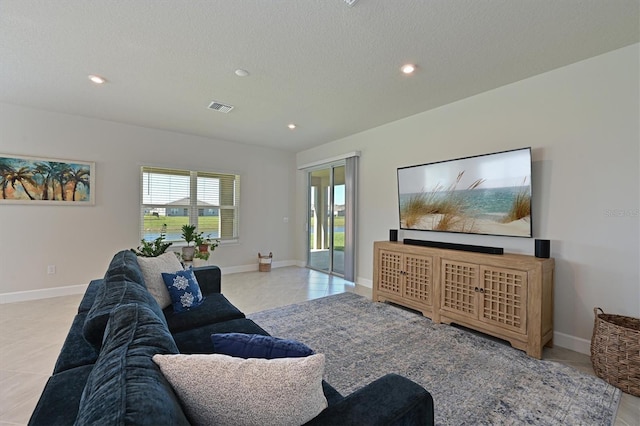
x=473, y=379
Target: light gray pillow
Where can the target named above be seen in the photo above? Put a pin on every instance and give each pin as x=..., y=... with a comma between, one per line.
x=152, y=269
x=224, y=390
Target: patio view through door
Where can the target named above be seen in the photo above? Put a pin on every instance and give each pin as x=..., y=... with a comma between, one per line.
x=326, y=222
x=331, y=218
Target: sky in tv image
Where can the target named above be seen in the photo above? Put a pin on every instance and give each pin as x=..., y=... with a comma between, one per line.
x=489, y=194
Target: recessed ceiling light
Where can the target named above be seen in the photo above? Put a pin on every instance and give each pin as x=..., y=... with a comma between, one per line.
x=97, y=79
x=291, y=126
x=242, y=73
x=408, y=68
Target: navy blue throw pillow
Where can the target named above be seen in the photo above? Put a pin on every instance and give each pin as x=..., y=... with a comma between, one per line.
x=184, y=290
x=258, y=346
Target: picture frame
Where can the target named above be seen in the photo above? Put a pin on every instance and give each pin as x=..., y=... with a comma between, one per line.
x=46, y=181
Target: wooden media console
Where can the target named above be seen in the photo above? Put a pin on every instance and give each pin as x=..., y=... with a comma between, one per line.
x=508, y=296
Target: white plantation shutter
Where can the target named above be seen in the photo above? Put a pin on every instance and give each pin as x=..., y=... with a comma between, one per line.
x=177, y=197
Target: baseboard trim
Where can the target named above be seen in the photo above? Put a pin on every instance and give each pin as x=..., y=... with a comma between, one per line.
x=283, y=264
x=45, y=293
x=254, y=267
x=364, y=282
x=574, y=343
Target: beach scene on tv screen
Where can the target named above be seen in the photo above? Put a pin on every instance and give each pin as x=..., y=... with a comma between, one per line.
x=489, y=194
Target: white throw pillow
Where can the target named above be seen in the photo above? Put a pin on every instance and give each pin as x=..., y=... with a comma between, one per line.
x=224, y=390
x=152, y=269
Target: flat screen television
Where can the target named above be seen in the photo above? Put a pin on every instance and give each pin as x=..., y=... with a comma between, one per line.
x=486, y=194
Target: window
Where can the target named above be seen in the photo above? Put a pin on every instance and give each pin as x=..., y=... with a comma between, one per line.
x=178, y=197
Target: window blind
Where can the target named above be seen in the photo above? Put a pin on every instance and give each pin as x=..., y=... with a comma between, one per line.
x=171, y=198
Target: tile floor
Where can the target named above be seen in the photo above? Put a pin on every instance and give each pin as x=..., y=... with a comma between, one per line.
x=31, y=334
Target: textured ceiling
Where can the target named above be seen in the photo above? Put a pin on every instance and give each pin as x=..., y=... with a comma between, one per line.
x=331, y=69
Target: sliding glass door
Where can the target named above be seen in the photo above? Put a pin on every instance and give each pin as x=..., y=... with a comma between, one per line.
x=331, y=218
x=326, y=221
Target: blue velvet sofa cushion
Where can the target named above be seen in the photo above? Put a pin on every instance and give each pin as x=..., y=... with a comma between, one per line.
x=59, y=402
x=183, y=289
x=209, y=278
x=332, y=395
x=124, y=266
x=125, y=386
x=389, y=400
x=198, y=340
x=111, y=294
x=257, y=346
x=76, y=351
x=90, y=296
x=214, y=308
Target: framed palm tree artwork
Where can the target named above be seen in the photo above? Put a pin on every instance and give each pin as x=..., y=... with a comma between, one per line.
x=32, y=180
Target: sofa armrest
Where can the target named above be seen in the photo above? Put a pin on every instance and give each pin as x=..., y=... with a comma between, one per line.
x=209, y=278
x=390, y=400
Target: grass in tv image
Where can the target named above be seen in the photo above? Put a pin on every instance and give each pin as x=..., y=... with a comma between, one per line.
x=459, y=201
x=444, y=205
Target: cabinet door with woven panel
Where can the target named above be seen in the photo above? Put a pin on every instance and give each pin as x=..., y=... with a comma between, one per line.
x=390, y=270
x=504, y=298
x=459, y=287
x=418, y=275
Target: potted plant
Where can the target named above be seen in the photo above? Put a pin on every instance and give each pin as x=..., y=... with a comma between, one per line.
x=153, y=248
x=202, y=243
x=189, y=235
x=213, y=243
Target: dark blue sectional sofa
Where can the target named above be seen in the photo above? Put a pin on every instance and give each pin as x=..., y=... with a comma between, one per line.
x=104, y=374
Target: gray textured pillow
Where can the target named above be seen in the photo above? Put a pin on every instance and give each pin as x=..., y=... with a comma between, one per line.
x=152, y=269
x=223, y=390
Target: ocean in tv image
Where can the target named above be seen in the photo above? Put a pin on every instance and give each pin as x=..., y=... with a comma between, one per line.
x=488, y=194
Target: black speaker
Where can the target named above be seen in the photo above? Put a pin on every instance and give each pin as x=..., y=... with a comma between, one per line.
x=393, y=235
x=454, y=246
x=543, y=249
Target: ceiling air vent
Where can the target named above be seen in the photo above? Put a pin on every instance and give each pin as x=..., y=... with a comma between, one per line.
x=218, y=106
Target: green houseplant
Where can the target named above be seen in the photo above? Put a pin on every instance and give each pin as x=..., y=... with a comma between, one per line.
x=201, y=243
x=205, y=244
x=189, y=235
x=213, y=243
x=153, y=248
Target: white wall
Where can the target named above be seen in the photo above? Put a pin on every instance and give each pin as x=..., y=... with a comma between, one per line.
x=582, y=123
x=581, y=120
x=80, y=241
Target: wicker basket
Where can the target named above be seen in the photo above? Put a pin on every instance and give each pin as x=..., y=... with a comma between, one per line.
x=615, y=350
x=264, y=262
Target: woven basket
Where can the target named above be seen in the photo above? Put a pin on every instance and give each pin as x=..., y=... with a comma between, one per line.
x=615, y=350
x=264, y=262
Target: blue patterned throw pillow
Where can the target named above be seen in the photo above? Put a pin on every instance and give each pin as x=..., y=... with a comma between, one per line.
x=184, y=290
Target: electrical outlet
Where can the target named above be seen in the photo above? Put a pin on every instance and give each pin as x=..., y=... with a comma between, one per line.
x=51, y=269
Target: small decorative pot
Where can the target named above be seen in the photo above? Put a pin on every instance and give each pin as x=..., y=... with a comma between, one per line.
x=187, y=253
